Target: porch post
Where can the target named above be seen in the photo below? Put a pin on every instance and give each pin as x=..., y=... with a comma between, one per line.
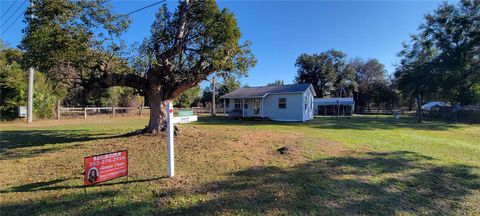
x=261, y=107
x=243, y=108
x=224, y=107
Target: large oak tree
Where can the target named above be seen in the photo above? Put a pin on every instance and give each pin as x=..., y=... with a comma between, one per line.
x=327, y=71
x=79, y=43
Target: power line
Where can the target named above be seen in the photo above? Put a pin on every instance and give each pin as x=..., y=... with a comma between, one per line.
x=129, y=13
x=18, y=8
x=143, y=8
x=6, y=12
x=14, y=21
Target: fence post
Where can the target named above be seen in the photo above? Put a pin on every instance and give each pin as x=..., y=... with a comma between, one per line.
x=58, y=109
x=141, y=108
x=113, y=111
x=85, y=113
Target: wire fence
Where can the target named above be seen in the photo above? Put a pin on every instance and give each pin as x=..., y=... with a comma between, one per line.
x=471, y=116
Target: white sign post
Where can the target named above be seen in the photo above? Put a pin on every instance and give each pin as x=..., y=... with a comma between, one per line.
x=170, y=135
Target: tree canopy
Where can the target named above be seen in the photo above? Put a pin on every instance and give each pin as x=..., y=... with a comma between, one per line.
x=442, y=61
x=372, y=86
x=327, y=71
x=228, y=85
x=79, y=42
x=13, y=86
x=188, y=97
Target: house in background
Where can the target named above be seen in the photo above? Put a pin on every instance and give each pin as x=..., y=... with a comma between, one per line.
x=279, y=103
x=330, y=106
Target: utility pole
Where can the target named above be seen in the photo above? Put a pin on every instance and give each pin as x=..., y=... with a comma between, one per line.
x=213, y=96
x=31, y=73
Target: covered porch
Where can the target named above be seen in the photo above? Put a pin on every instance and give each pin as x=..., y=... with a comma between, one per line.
x=243, y=107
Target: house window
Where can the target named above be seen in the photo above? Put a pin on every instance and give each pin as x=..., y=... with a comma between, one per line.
x=238, y=105
x=245, y=106
x=227, y=103
x=282, y=103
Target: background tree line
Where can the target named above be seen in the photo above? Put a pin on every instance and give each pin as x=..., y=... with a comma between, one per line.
x=13, y=90
x=440, y=63
x=332, y=75
x=195, y=96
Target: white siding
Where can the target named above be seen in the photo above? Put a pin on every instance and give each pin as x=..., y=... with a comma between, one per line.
x=308, y=101
x=249, y=110
x=293, y=111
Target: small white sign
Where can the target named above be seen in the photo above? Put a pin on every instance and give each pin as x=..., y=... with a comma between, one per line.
x=22, y=111
x=185, y=119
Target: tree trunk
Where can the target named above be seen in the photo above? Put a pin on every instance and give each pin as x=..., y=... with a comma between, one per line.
x=419, y=107
x=157, y=122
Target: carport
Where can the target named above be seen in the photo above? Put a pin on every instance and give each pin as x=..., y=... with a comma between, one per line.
x=332, y=106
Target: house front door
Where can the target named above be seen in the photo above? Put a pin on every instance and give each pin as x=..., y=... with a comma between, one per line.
x=256, y=107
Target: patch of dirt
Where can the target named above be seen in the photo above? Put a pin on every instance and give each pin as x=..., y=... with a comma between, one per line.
x=287, y=150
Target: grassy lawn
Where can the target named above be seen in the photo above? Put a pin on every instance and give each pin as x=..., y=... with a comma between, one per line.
x=349, y=166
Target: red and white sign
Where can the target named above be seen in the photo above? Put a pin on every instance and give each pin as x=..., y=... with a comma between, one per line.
x=104, y=167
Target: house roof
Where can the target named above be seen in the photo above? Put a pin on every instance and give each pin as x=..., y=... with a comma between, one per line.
x=333, y=101
x=433, y=104
x=262, y=91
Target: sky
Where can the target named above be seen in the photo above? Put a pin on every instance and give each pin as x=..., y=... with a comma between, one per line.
x=282, y=30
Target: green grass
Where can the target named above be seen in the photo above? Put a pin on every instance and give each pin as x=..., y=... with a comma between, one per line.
x=371, y=165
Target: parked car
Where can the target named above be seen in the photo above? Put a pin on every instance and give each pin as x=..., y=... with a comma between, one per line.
x=428, y=106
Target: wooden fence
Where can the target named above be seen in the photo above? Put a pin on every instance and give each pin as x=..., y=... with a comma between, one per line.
x=86, y=111
x=205, y=109
x=113, y=111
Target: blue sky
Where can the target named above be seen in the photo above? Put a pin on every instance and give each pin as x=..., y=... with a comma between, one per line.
x=282, y=30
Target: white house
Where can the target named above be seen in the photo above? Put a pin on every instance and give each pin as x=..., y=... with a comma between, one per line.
x=279, y=103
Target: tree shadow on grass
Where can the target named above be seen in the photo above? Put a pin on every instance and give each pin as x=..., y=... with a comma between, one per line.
x=33, y=138
x=58, y=184
x=100, y=200
x=370, y=183
x=93, y=203
x=12, y=142
x=351, y=122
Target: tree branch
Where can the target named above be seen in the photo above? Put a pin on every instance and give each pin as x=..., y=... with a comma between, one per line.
x=112, y=79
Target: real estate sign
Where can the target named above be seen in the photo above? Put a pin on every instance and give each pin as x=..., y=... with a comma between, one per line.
x=104, y=167
x=22, y=111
